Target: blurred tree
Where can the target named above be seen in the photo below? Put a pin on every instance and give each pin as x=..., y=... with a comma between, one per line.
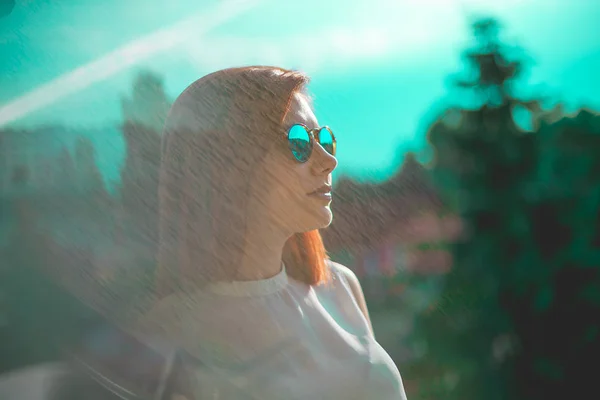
x=148, y=104
x=95, y=203
x=39, y=314
x=89, y=176
x=514, y=319
x=144, y=114
x=67, y=168
x=20, y=257
x=554, y=295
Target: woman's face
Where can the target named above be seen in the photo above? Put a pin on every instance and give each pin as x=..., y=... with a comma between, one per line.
x=284, y=188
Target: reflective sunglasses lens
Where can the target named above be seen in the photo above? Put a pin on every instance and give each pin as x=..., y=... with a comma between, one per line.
x=327, y=141
x=300, y=143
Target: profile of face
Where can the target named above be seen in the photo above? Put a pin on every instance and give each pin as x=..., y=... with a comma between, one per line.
x=288, y=193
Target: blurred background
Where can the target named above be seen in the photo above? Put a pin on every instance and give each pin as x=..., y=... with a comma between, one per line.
x=467, y=197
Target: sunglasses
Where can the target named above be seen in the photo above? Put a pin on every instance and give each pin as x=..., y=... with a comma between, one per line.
x=301, y=141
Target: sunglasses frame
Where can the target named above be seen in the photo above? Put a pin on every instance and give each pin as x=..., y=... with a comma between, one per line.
x=314, y=135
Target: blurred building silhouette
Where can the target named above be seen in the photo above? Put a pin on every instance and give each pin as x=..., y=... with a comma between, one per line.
x=377, y=228
x=55, y=170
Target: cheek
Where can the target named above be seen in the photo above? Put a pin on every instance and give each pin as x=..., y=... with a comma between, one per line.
x=286, y=183
x=288, y=177
x=288, y=186
x=287, y=199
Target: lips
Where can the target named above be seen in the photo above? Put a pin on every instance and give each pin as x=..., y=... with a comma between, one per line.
x=323, y=190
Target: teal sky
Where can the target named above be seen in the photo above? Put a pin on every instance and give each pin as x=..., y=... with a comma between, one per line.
x=378, y=67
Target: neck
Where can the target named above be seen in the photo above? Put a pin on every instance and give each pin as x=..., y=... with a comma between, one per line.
x=263, y=251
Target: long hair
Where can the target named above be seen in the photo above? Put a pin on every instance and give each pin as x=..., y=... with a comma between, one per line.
x=217, y=132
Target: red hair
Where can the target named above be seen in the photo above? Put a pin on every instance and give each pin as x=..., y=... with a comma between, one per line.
x=208, y=157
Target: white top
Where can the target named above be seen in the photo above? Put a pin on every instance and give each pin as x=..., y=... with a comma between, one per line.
x=278, y=338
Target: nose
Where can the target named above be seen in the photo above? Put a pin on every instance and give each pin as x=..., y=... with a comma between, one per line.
x=324, y=163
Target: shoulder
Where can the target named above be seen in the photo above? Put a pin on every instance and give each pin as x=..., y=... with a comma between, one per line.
x=354, y=284
x=344, y=272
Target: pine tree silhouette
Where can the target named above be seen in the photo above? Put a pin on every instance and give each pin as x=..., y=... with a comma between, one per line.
x=514, y=319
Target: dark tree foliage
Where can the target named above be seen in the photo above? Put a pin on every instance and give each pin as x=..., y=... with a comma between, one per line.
x=40, y=316
x=45, y=284
x=518, y=316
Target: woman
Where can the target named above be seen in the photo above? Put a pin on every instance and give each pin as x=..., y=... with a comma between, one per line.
x=245, y=284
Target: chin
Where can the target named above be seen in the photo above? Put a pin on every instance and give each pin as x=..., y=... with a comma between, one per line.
x=327, y=218
x=319, y=219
